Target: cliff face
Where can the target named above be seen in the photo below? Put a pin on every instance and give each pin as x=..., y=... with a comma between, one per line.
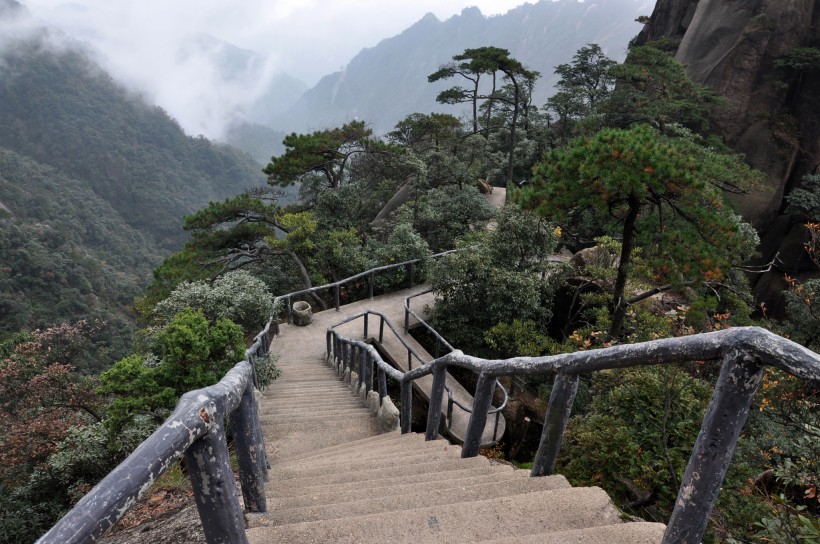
x=771, y=113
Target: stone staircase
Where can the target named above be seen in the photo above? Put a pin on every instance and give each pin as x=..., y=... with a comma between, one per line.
x=334, y=478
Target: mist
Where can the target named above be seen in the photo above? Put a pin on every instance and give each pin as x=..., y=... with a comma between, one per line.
x=208, y=62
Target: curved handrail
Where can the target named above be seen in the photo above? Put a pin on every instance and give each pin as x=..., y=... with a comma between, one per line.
x=335, y=347
x=441, y=340
x=195, y=429
x=336, y=286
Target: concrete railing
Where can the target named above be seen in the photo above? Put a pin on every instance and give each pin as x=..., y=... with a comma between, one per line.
x=196, y=429
x=442, y=343
x=743, y=351
x=287, y=300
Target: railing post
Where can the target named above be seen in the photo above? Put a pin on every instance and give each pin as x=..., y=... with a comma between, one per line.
x=254, y=377
x=288, y=311
x=478, y=417
x=409, y=360
x=328, y=341
x=555, y=421
x=406, y=319
x=345, y=357
x=370, y=280
x=370, y=366
x=249, y=453
x=364, y=363
x=214, y=487
x=410, y=275
x=434, y=410
x=381, y=330
x=737, y=383
x=382, y=383
x=365, y=325
x=362, y=370
x=406, y=406
x=338, y=296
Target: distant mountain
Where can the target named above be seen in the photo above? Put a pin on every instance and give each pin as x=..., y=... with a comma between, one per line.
x=60, y=109
x=94, y=185
x=384, y=83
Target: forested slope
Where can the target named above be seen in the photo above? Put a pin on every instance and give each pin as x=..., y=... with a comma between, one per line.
x=94, y=185
x=65, y=253
x=60, y=109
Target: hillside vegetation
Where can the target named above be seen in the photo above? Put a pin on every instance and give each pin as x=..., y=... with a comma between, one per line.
x=94, y=185
x=60, y=109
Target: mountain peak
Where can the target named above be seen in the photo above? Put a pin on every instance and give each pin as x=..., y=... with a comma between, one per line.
x=472, y=11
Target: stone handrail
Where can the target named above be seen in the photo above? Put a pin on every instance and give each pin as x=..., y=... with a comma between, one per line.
x=195, y=429
x=336, y=286
x=744, y=352
x=440, y=341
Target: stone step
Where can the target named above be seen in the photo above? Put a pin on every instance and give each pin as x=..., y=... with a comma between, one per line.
x=312, y=409
x=416, y=467
x=353, y=464
x=314, y=412
x=308, y=399
x=402, y=501
x=623, y=533
x=461, y=479
x=388, y=483
x=374, y=451
x=298, y=390
x=514, y=516
x=354, y=443
x=286, y=440
x=317, y=376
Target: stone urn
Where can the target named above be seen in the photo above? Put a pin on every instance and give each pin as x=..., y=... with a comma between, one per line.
x=302, y=314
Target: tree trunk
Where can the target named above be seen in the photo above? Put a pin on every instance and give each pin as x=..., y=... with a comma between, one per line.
x=512, y=133
x=619, y=304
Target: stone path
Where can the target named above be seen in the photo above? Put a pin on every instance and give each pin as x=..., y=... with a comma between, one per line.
x=335, y=479
x=308, y=343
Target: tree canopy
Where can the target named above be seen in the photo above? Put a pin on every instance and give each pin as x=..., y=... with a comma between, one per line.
x=325, y=153
x=651, y=189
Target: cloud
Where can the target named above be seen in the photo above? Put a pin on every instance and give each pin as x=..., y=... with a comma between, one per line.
x=148, y=44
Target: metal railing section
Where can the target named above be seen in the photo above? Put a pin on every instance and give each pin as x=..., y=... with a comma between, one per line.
x=196, y=429
x=441, y=342
x=337, y=286
x=349, y=352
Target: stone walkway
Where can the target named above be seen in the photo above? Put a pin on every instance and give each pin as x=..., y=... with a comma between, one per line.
x=308, y=344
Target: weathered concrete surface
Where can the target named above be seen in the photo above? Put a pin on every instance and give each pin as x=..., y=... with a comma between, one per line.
x=334, y=478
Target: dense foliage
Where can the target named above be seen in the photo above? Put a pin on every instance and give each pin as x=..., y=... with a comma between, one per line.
x=66, y=255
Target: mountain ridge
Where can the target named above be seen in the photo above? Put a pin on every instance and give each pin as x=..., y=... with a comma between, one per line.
x=402, y=63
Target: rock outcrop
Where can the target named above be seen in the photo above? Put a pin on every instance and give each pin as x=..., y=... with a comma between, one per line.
x=771, y=112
